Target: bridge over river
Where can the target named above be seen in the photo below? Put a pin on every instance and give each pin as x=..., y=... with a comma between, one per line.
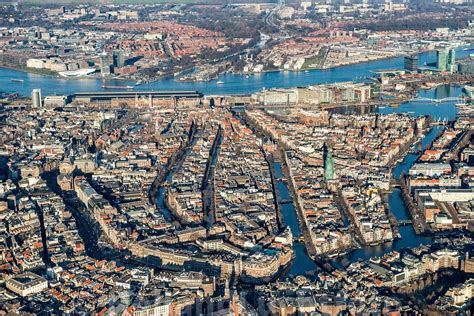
x=403, y=222
x=442, y=100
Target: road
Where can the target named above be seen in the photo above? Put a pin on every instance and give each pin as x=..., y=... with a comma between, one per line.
x=268, y=19
x=208, y=190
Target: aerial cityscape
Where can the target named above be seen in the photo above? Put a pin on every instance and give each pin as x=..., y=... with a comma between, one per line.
x=237, y=157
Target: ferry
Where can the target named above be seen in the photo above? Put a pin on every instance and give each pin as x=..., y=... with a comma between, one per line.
x=220, y=82
x=117, y=87
x=17, y=80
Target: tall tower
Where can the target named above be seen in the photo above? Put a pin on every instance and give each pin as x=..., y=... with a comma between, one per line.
x=104, y=65
x=442, y=59
x=328, y=164
x=388, y=6
x=411, y=63
x=36, y=98
x=118, y=58
x=451, y=60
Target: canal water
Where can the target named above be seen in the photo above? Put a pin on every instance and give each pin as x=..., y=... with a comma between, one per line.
x=302, y=263
x=438, y=111
x=441, y=111
x=233, y=83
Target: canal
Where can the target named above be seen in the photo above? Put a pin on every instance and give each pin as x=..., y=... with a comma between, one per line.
x=302, y=263
x=160, y=198
x=442, y=111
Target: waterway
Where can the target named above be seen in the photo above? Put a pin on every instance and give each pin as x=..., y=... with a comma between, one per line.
x=160, y=200
x=303, y=263
x=441, y=111
x=233, y=83
x=438, y=111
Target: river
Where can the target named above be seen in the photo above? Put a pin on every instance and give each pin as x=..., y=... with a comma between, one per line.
x=233, y=83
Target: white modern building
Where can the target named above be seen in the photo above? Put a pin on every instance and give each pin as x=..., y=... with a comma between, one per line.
x=36, y=98
x=430, y=169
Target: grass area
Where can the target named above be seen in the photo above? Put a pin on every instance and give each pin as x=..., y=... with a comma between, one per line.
x=37, y=71
x=313, y=62
x=46, y=72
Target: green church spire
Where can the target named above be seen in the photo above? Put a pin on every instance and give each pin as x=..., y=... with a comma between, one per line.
x=328, y=164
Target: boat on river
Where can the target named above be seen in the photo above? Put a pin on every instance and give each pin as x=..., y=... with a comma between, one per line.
x=117, y=87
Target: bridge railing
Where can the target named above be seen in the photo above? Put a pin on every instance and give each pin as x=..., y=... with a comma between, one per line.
x=442, y=100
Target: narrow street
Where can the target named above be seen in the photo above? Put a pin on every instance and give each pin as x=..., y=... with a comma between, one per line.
x=208, y=189
x=87, y=227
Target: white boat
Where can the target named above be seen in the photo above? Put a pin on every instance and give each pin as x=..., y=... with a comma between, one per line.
x=220, y=82
x=469, y=91
x=139, y=82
